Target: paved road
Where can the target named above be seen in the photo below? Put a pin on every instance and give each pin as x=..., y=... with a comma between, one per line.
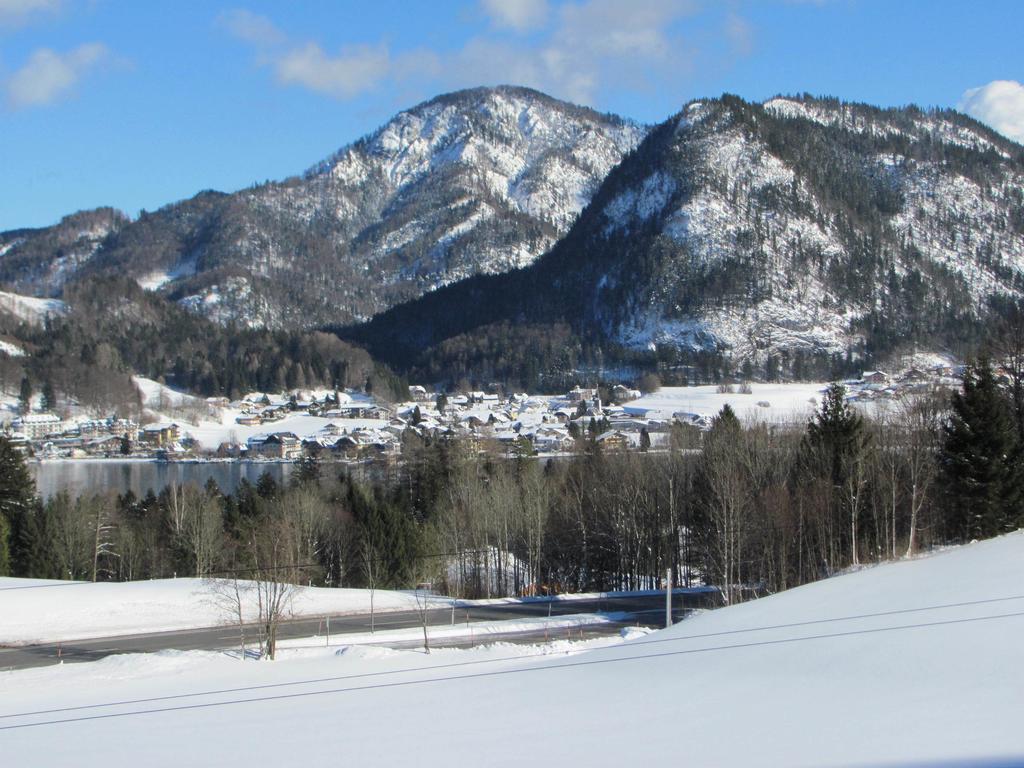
x=647, y=609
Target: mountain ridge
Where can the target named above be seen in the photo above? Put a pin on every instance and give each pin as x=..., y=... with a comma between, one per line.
x=746, y=231
x=498, y=228
x=479, y=180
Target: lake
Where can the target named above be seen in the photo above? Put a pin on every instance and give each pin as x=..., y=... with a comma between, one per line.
x=78, y=476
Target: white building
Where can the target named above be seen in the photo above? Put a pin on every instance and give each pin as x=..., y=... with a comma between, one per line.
x=37, y=425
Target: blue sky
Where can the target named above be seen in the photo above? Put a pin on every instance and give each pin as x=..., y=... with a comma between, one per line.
x=136, y=104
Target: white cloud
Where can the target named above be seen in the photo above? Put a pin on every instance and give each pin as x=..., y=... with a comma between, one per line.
x=592, y=45
x=48, y=75
x=352, y=72
x=520, y=15
x=740, y=34
x=1000, y=104
x=577, y=48
x=13, y=12
x=251, y=27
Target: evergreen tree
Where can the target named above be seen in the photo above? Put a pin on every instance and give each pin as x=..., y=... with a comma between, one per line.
x=981, y=458
x=17, y=505
x=645, y=439
x=5, y=538
x=386, y=535
x=49, y=397
x=25, y=395
x=837, y=431
x=266, y=486
x=581, y=410
x=835, y=447
x=33, y=548
x=307, y=470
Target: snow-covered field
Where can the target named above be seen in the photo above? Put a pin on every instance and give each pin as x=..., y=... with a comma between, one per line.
x=913, y=662
x=33, y=611
x=767, y=402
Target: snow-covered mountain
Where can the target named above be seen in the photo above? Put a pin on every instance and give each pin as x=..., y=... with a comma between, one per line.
x=804, y=223
x=472, y=182
x=780, y=231
x=797, y=229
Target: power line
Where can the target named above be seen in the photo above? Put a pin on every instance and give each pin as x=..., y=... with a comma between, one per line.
x=502, y=672
x=627, y=647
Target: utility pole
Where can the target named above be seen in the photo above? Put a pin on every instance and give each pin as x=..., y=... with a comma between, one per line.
x=668, y=598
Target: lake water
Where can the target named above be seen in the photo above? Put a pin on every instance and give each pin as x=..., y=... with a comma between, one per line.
x=80, y=476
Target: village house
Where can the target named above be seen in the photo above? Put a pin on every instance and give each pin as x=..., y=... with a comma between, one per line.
x=547, y=440
x=623, y=394
x=279, y=445
x=357, y=411
x=420, y=394
x=159, y=435
x=614, y=440
x=576, y=394
x=474, y=421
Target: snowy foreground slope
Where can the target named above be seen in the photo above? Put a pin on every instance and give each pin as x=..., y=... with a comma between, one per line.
x=916, y=662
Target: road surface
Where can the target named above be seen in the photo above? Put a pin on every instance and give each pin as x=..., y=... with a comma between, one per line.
x=646, y=609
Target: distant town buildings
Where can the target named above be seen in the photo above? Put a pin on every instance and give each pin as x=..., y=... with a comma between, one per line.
x=344, y=427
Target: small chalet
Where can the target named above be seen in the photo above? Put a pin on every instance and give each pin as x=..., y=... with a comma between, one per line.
x=624, y=394
x=614, y=440
x=420, y=394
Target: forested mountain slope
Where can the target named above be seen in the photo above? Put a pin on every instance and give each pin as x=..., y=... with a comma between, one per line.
x=798, y=229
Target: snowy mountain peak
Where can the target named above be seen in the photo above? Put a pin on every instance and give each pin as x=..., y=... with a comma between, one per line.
x=472, y=182
x=536, y=155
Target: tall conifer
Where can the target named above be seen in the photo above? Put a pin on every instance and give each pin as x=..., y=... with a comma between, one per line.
x=981, y=458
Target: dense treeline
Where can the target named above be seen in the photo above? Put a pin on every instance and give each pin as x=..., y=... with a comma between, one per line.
x=751, y=508
x=114, y=328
